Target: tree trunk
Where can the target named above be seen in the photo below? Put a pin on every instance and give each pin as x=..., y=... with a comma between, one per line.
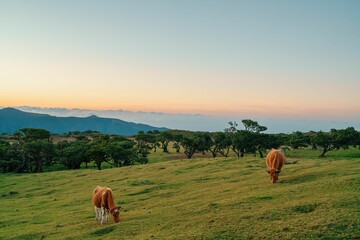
x=261, y=154
x=98, y=166
x=323, y=153
x=39, y=168
x=164, y=146
x=236, y=151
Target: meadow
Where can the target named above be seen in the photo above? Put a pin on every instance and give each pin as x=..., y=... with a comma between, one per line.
x=200, y=198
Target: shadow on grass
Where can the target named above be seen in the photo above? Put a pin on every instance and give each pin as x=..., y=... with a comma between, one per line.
x=299, y=178
x=103, y=231
x=307, y=208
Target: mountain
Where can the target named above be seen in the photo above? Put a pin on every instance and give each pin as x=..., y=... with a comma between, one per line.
x=12, y=119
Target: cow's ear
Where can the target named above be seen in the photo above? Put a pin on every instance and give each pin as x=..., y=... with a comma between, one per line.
x=267, y=170
x=278, y=171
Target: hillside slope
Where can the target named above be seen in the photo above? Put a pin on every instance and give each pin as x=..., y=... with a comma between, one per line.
x=12, y=120
x=188, y=199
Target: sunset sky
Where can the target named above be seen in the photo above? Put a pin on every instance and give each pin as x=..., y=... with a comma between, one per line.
x=289, y=59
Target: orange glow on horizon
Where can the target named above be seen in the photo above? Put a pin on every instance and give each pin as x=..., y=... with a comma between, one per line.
x=255, y=110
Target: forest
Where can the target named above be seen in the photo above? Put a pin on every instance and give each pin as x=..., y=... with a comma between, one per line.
x=30, y=149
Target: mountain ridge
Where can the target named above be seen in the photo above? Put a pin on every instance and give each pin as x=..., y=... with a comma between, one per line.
x=12, y=119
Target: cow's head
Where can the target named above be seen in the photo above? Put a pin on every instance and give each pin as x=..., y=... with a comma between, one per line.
x=115, y=212
x=274, y=174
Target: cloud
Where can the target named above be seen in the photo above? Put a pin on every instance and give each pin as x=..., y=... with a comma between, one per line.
x=199, y=122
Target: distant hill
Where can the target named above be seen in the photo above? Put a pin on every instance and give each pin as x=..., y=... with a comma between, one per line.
x=12, y=120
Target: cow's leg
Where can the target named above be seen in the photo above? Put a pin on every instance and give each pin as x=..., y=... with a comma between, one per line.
x=96, y=213
x=107, y=215
x=99, y=214
x=102, y=215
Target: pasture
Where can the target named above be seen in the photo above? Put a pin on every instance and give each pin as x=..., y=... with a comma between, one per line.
x=203, y=198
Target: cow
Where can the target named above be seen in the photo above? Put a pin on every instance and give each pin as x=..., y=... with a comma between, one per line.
x=274, y=161
x=103, y=200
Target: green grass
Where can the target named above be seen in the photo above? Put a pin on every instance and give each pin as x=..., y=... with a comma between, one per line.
x=205, y=198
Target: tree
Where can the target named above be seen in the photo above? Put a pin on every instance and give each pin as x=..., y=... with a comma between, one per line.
x=335, y=139
x=72, y=154
x=242, y=141
x=203, y=141
x=189, y=145
x=264, y=141
x=122, y=152
x=219, y=142
x=39, y=153
x=152, y=139
x=224, y=141
x=347, y=137
x=253, y=126
x=143, y=145
x=33, y=149
x=5, y=164
x=165, y=138
x=232, y=128
x=254, y=139
x=35, y=134
x=177, y=139
x=149, y=139
x=298, y=140
x=96, y=152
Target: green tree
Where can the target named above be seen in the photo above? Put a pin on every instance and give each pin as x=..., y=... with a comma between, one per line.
x=96, y=152
x=35, y=134
x=347, y=137
x=298, y=140
x=254, y=139
x=122, y=152
x=147, y=140
x=39, y=153
x=165, y=138
x=253, y=126
x=143, y=145
x=335, y=139
x=5, y=164
x=177, y=137
x=189, y=145
x=242, y=141
x=219, y=142
x=34, y=147
x=203, y=141
x=232, y=128
x=72, y=154
x=224, y=140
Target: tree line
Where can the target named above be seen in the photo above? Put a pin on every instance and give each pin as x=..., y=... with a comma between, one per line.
x=29, y=149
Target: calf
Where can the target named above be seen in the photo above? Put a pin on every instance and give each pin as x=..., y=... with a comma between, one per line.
x=103, y=200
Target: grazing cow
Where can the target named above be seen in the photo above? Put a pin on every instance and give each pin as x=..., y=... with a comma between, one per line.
x=274, y=161
x=103, y=200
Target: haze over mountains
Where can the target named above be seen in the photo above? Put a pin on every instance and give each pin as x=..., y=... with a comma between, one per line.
x=12, y=119
x=201, y=122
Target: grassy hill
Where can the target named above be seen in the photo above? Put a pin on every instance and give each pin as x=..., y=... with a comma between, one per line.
x=204, y=198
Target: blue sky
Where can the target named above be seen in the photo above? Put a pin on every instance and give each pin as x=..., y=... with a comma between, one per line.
x=259, y=59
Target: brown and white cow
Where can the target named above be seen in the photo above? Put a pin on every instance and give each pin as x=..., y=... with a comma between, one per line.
x=274, y=161
x=103, y=200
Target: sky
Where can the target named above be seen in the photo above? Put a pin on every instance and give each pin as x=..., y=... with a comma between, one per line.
x=286, y=60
